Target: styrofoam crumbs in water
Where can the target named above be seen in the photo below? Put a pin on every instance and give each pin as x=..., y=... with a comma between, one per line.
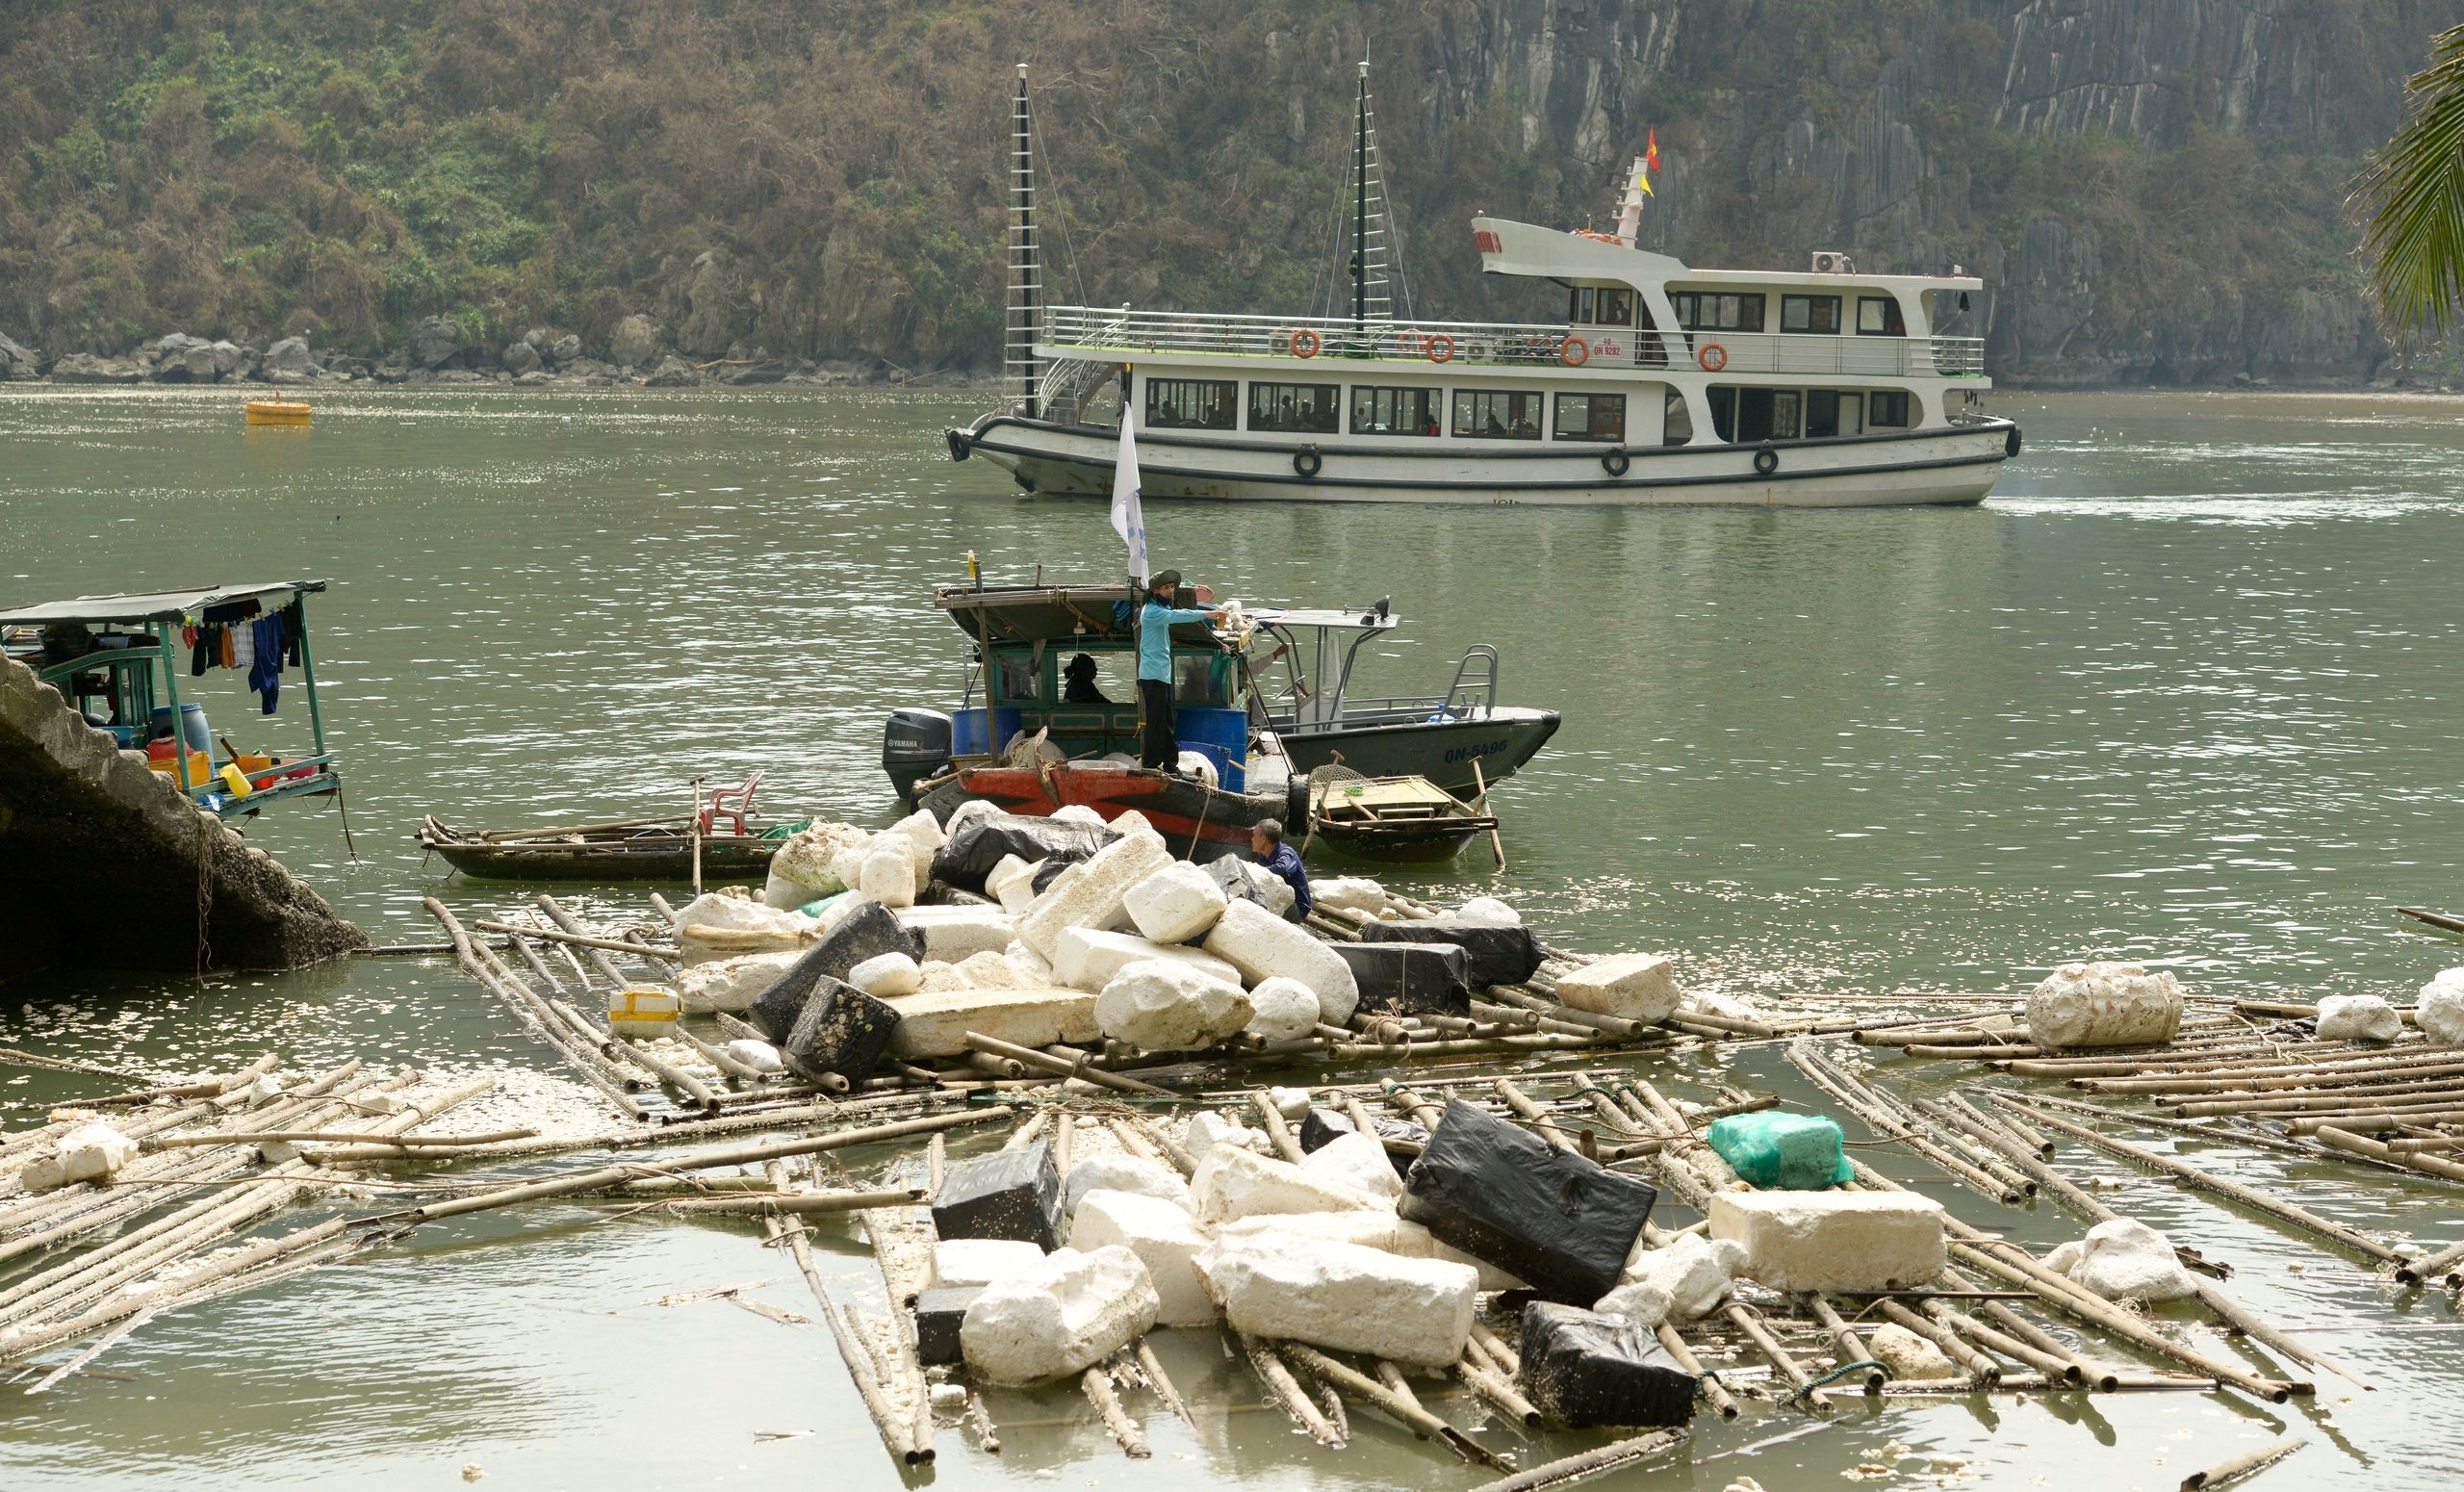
x=556, y=1106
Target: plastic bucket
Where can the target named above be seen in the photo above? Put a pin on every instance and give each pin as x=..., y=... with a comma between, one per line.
x=193, y=726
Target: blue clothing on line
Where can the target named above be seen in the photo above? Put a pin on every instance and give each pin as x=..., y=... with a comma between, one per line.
x=1285, y=863
x=1155, y=623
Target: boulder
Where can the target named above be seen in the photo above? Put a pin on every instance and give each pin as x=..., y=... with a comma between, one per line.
x=635, y=341
x=2104, y=1005
x=521, y=358
x=1633, y=985
x=2358, y=1017
x=1582, y=1369
x=1689, y=1276
x=1086, y=959
x=1175, y=905
x=1409, y=979
x=885, y=976
x=1359, y=1162
x=436, y=340
x=1497, y=955
x=1013, y=1194
x=1233, y=1182
x=1121, y=1171
x=17, y=361
x=866, y=931
x=87, y=368
x=842, y=1031
x=1161, y=1005
x=2124, y=1259
x=732, y=985
x=1094, y=897
x=290, y=355
x=2440, y=1009
x=1344, y=1297
x=1282, y=1010
x=1077, y=1310
x=936, y=1024
x=92, y=1151
x=1502, y=1195
x=953, y=933
x=962, y=1262
x=1263, y=946
x=673, y=373
x=1164, y=1239
x=1909, y=1357
x=564, y=349
x=1867, y=1241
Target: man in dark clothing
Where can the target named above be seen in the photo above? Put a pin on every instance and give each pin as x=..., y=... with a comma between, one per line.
x=1078, y=683
x=1281, y=859
x=1155, y=621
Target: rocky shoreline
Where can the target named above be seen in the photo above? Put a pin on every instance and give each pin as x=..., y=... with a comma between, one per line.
x=440, y=354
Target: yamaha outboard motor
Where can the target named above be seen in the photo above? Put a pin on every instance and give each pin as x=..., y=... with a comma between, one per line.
x=916, y=744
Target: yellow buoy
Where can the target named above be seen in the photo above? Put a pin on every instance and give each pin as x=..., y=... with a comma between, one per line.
x=277, y=411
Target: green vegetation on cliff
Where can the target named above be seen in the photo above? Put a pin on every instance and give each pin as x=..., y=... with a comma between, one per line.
x=822, y=177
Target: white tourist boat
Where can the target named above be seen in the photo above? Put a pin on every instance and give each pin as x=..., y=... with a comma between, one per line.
x=1665, y=384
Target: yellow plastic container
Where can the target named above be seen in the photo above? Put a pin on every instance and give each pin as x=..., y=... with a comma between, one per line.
x=200, y=768
x=644, y=1010
x=236, y=780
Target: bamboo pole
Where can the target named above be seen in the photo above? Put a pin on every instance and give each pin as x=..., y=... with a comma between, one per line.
x=580, y=939
x=2247, y=1463
x=565, y=920
x=1851, y=1347
x=1402, y=1406
x=1046, y=1063
x=897, y=1430
x=1286, y=1390
x=1098, y=1385
x=1683, y=1356
x=1566, y=1471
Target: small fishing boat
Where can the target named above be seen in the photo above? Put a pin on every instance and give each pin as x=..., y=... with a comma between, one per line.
x=640, y=850
x=278, y=411
x=1409, y=820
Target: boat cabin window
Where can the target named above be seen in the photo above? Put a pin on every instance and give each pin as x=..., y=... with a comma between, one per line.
x=1600, y=305
x=1676, y=421
x=1192, y=403
x=1016, y=673
x=1754, y=416
x=1591, y=417
x=1104, y=678
x=1809, y=314
x=1311, y=408
x=1702, y=310
x=1887, y=407
x=1497, y=414
x=1831, y=412
x=1199, y=680
x=1378, y=411
x=1878, y=316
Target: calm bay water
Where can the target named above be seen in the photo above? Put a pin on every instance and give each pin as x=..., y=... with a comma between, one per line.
x=2186, y=691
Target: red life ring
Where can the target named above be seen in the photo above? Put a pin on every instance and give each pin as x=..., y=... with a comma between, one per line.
x=1411, y=340
x=1305, y=342
x=1574, y=351
x=1441, y=348
x=1713, y=357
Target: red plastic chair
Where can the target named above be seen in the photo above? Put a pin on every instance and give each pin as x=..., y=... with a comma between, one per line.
x=719, y=808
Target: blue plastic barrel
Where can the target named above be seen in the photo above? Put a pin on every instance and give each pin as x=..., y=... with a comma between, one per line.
x=193, y=726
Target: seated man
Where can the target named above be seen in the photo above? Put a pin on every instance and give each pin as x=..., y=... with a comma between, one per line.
x=1078, y=683
x=1266, y=841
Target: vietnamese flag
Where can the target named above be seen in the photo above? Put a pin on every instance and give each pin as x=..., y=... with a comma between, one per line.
x=1651, y=149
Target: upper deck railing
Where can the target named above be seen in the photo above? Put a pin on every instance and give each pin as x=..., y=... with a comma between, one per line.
x=1113, y=334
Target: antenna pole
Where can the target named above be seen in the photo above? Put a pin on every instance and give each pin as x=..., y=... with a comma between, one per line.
x=1026, y=275
x=1360, y=211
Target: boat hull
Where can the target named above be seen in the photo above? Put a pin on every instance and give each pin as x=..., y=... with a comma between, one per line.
x=1944, y=466
x=724, y=858
x=1498, y=742
x=1195, y=820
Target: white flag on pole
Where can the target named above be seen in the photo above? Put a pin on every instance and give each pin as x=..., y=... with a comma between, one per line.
x=1129, y=515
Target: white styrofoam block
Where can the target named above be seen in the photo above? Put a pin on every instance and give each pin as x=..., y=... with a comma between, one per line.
x=1359, y=1162
x=886, y=872
x=1133, y=821
x=951, y=933
x=2104, y=1005
x=725, y=923
x=886, y=975
x=1293, y=1103
x=1237, y=1183
x=1119, y=1171
x=1349, y=894
x=1833, y=1240
x=807, y=861
x=980, y=1261
x=989, y=970
x=1909, y=1357
x=1344, y=1297
x=936, y=1024
x=759, y=1056
x=967, y=814
x=1207, y=1129
x=1079, y=814
x=2358, y=1017
x=1264, y=946
x=92, y=1151
x=1164, y=1237
x=1645, y=1302
x=1161, y=1004
x=1086, y=958
x=1075, y=1312
x=1035, y=973
x=2440, y=1009
x=2124, y=1259
x=1004, y=870
x=1175, y=905
x=1371, y=1227
x=1092, y=897
x=1017, y=893
x=1282, y=1010
x=934, y=977
x=1487, y=911
x=1636, y=985
x=922, y=829
x=1692, y=1273
x=732, y=985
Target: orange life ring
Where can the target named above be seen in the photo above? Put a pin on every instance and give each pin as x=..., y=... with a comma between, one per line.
x=1574, y=351
x=1411, y=340
x=1713, y=357
x=1305, y=342
x=1441, y=348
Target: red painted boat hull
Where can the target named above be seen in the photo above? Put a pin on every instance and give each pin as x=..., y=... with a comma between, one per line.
x=1182, y=810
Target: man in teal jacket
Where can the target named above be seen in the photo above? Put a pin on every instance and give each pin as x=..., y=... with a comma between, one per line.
x=1155, y=621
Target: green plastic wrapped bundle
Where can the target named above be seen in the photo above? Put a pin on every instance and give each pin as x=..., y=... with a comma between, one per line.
x=1795, y=1152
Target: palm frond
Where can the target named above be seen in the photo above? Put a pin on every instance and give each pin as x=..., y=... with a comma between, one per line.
x=2410, y=198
